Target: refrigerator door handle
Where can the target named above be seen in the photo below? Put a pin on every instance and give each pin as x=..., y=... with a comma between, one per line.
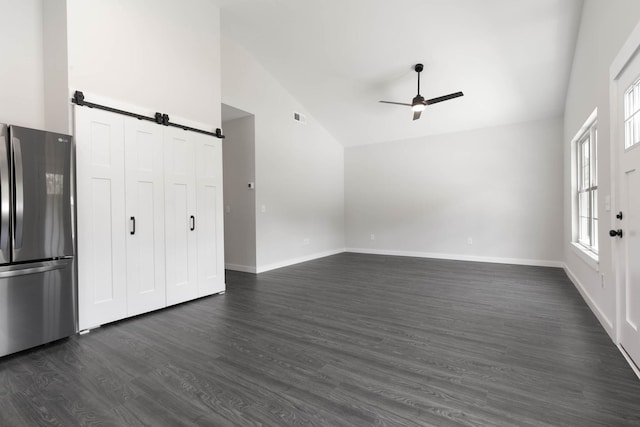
x=19, y=193
x=34, y=268
x=5, y=202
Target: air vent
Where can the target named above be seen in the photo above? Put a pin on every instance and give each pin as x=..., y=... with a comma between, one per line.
x=300, y=118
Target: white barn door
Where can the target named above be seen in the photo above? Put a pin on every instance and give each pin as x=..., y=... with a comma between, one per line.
x=210, y=227
x=144, y=172
x=180, y=216
x=102, y=291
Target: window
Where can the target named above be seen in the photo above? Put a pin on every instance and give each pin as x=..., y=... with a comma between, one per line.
x=586, y=195
x=632, y=115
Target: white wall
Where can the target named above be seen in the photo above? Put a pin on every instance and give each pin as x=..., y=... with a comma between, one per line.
x=238, y=153
x=299, y=168
x=21, y=72
x=604, y=27
x=56, y=78
x=163, y=55
x=427, y=196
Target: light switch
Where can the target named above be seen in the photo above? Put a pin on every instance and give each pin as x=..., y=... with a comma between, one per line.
x=607, y=203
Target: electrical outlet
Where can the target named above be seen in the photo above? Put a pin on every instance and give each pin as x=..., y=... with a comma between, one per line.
x=373, y=236
x=469, y=241
x=263, y=208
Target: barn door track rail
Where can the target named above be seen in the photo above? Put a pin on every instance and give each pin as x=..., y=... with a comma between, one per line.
x=159, y=118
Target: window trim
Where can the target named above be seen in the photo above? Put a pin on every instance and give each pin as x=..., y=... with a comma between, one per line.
x=590, y=258
x=590, y=188
x=588, y=130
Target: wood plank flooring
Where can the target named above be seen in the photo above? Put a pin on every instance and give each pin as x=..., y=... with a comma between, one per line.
x=347, y=340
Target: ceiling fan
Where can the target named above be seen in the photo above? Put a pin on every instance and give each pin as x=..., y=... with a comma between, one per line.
x=419, y=102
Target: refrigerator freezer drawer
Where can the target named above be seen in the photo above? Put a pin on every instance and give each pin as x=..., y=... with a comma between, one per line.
x=37, y=304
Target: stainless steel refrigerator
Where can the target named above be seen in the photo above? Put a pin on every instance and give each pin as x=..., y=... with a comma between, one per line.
x=38, y=301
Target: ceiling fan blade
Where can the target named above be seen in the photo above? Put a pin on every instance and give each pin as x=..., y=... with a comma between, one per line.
x=443, y=98
x=416, y=114
x=396, y=103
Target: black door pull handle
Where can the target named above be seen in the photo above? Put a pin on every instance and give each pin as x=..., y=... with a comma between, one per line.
x=193, y=222
x=619, y=216
x=614, y=233
x=133, y=224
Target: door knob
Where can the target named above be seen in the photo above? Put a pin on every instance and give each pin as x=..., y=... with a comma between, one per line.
x=614, y=233
x=619, y=215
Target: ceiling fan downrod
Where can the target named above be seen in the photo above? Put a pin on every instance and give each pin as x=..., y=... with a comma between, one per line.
x=419, y=68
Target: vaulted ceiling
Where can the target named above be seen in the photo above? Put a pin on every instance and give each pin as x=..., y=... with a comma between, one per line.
x=511, y=58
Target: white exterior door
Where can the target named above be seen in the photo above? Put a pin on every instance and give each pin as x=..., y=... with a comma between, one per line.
x=626, y=145
x=146, y=289
x=210, y=221
x=102, y=290
x=180, y=215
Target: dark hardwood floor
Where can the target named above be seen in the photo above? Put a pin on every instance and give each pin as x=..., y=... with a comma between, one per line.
x=347, y=340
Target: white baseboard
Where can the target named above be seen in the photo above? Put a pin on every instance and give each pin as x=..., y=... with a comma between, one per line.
x=634, y=367
x=607, y=324
x=238, y=267
x=292, y=261
x=457, y=257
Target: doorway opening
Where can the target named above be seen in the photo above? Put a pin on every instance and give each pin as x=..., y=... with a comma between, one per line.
x=238, y=158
